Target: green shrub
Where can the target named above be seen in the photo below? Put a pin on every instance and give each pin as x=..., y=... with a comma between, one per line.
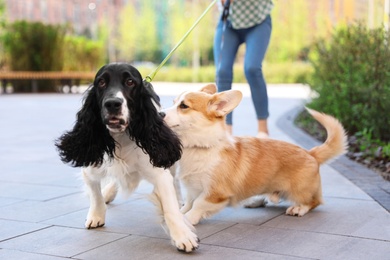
x=352, y=77
x=83, y=54
x=34, y=46
x=368, y=147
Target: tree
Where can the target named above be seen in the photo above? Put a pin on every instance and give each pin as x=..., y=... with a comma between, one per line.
x=290, y=30
x=148, y=30
x=2, y=25
x=137, y=34
x=83, y=54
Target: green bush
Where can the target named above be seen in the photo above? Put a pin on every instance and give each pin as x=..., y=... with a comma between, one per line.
x=34, y=47
x=368, y=147
x=352, y=77
x=82, y=54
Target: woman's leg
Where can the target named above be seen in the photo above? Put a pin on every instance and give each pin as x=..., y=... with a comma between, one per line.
x=226, y=44
x=257, y=39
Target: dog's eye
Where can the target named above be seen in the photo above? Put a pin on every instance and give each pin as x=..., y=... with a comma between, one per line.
x=129, y=83
x=102, y=83
x=183, y=106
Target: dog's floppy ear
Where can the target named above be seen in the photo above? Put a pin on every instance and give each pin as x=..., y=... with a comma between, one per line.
x=224, y=102
x=89, y=140
x=210, y=89
x=149, y=130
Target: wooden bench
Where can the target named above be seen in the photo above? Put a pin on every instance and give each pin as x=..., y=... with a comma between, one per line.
x=69, y=78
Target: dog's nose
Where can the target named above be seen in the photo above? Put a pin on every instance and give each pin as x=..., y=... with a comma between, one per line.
x=162, y=114
x=113, y=105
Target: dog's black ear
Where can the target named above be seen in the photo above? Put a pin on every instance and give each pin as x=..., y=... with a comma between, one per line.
x=89, y=140
x=150, y=89
x=149, y=130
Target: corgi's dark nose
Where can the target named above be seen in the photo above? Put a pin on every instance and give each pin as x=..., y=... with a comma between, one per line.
x=162, y=114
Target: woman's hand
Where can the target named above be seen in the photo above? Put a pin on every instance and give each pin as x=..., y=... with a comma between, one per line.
x=223, y=1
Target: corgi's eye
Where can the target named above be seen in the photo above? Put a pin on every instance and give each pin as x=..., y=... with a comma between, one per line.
x=183, y=106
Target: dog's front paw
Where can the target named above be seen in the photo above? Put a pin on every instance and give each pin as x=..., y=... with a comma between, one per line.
x=95, y=219
x=192, y=218
x=183, y=235
x=185, y=241
x=297, y=210
x=186, y=207
x=109, y=192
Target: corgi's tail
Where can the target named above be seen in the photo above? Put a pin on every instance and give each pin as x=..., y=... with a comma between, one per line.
x=336, y=143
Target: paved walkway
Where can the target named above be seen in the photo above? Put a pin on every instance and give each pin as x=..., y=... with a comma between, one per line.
x=43, y=207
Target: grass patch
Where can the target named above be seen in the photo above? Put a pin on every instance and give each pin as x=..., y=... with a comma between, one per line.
x=274, y=73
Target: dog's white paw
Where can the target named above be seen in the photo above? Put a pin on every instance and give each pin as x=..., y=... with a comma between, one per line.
x=255, y=202
x=95, y=219
x=299, y=210
x=274, y=197
x=109, y=192
x=184, y=239
x=185, y=208
x=192, y=218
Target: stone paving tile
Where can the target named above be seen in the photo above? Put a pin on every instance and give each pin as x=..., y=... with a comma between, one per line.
x=15, y=254
x=138, y=217
x=342, y=217
x=336, y=185
x=136, y=247
x=59, y=241
x=74, y=219
x=40, y=146
x=37, y=211
x=48, y=173
x=10, y=228
x=124, y=219
x=256, y=216
x=366, y=179
x=8, y=201
x=299, y=243
x=34, y=191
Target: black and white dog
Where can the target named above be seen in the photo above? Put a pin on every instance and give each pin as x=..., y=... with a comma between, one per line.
x=119, y=134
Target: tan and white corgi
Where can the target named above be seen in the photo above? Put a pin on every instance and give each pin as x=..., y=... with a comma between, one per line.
x=218, y=169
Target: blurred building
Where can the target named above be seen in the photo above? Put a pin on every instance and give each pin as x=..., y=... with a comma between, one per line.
x=83, y=15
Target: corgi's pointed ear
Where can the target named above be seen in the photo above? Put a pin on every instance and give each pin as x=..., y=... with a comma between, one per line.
x=224, y=102
x=210, y=89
